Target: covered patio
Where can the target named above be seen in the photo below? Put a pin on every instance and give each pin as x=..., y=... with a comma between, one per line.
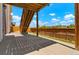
x=24, y=43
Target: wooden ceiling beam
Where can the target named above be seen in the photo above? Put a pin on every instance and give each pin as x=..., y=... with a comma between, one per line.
x=23, y=18
x=29, y=6
x=28, y=20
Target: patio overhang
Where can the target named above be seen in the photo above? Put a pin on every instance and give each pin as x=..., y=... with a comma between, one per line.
x=30, y=6
x=28, y=11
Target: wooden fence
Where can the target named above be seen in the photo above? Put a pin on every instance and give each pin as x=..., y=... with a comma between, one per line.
x=64, y=34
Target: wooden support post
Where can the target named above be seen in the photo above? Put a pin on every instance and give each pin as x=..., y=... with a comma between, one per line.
x=26, y=20
x=77, y=25
x=37, y=22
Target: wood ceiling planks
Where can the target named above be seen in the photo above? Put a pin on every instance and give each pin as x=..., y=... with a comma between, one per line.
x=30, y=6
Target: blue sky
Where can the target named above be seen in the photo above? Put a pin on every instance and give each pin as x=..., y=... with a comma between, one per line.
x=16, y=15
x=54, y=14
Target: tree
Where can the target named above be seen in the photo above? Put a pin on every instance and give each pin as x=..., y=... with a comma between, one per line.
x=44, y=27
x=71, y=26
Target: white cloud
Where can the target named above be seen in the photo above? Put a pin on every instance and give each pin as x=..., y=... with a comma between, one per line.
x=11, y=13
x=16, y=17
x=42, y=23
x=68, y=19
x=71, y=21
x=55, y=19
x=33, y=23
x=64, y=23
x=69, y=16
x=34, y=15
x=52, y=14
x=45, y=23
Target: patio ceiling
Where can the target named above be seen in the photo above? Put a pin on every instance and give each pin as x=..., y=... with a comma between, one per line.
x=30, y=6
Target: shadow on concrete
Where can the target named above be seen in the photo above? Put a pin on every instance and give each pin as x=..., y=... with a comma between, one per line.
x=21, y=45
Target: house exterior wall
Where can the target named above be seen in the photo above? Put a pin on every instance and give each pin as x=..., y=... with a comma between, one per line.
x=1, y=23
x=5, y=20
x=8, y=18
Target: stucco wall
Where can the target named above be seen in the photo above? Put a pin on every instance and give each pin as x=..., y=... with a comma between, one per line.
x=8, y=18
x=1, y=25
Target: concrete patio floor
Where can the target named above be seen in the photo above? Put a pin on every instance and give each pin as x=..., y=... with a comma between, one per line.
x=56, y=49
x=19, y=44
